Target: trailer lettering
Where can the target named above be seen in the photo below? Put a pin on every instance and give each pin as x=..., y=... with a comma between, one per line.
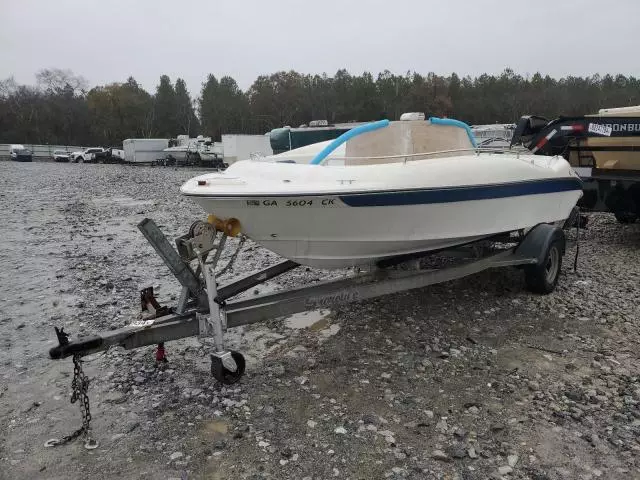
x=601, y=129
x=345, y=296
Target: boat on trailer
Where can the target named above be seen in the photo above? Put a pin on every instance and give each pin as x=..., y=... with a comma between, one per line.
x=207, y=306
x=200, y=151
x=403, y=187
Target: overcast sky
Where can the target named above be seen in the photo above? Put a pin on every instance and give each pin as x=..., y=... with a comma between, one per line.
x=108, y=40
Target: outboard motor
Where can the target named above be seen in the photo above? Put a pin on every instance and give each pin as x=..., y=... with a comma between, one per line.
x=527, y=129
x=545, y=137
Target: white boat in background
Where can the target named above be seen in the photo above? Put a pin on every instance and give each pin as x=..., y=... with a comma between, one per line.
x=197, y=150
x=383, y=190
x=496, y=135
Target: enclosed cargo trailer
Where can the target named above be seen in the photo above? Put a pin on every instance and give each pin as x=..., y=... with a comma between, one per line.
x=242, y=147
x=144, y=150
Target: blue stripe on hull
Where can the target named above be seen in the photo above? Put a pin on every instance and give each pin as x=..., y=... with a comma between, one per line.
x=461, y=194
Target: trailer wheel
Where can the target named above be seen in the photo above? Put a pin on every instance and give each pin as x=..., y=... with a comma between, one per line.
x=543, y=278
x=224, y=375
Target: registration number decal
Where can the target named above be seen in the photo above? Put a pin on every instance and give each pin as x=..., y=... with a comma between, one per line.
x=295, y=202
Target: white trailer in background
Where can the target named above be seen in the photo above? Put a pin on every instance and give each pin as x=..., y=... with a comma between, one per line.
x=144, y=150
x=241, y=147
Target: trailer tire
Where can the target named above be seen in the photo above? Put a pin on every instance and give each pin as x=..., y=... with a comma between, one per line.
x=543, y=277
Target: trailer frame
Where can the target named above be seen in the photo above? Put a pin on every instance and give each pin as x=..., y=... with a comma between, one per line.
x=207, y=309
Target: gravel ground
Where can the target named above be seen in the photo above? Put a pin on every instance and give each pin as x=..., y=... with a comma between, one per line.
x=472, y=379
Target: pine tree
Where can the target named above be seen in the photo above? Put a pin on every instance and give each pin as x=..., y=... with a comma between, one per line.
x=165, y=109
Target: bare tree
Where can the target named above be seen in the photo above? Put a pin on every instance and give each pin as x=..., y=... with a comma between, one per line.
x=58, y=80
x=8, y=87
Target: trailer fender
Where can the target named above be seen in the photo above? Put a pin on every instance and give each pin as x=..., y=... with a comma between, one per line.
x=536, y=243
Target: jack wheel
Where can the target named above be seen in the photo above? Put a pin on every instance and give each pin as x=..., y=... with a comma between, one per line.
x=224, y=375
x=543, y=278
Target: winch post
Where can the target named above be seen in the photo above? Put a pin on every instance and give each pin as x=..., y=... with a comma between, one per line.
x=172, y=260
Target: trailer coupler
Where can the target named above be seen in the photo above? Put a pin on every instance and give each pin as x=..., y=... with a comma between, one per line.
x=80, y=346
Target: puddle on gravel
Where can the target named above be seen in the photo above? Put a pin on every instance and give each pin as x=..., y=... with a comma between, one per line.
x=331, y=331
x=311, y=319
x=216, y=427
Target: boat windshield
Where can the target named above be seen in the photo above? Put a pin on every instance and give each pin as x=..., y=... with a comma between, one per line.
x=399, y=142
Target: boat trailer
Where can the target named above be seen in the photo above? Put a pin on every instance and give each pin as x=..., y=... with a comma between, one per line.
x=206, y=309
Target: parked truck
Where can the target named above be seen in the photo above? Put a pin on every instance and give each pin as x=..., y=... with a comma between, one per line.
x=87, y=155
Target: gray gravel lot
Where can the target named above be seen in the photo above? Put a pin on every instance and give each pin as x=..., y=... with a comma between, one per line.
x=472, y=379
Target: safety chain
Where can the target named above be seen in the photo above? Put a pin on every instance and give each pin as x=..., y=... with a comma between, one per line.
x=228, y=266
x=79, y=387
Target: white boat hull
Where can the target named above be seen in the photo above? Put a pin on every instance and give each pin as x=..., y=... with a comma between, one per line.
x=355, y=218
x=340, y=235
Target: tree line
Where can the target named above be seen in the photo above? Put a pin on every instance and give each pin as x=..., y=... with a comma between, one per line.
x=60, y=109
